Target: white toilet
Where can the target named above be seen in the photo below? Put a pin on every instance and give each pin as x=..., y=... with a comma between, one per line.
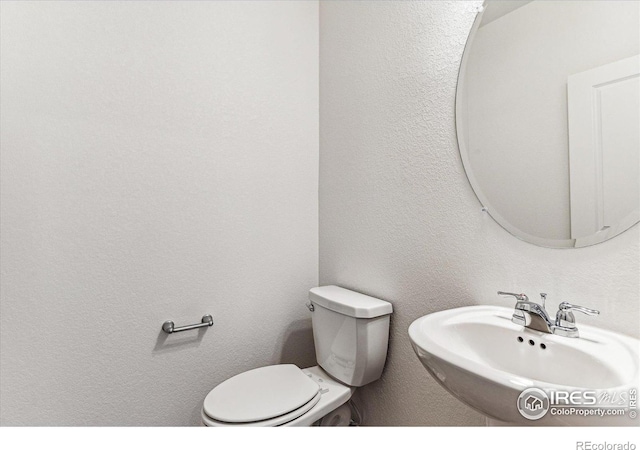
x=351, y=334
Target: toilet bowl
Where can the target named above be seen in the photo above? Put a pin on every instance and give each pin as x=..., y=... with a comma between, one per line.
x=351, y=333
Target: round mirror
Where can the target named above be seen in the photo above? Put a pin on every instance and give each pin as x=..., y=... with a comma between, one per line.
x=548, y=118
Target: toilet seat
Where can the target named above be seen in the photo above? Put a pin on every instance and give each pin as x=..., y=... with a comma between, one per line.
x=274, y=422
x=332, y=395
x=267, y=396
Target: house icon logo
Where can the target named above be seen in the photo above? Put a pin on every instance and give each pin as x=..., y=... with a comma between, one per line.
x=533, y=403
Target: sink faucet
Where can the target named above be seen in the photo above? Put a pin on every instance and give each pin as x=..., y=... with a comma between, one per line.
x=534, y=316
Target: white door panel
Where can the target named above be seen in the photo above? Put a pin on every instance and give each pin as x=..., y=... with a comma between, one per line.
x=604, y=147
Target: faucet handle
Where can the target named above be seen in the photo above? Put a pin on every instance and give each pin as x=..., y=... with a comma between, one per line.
x=566, y=321
x=519, y=297
x=567, y=307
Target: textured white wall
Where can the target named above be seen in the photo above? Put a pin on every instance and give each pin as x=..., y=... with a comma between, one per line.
x=517, y=102
x=398, y=219
x=159, y=161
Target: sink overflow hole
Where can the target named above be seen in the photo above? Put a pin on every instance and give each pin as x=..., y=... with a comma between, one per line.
x=531, y=342
x=542, y=346
x=520, y=339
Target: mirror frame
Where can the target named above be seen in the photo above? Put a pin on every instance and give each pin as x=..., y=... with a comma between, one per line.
x=475, y=185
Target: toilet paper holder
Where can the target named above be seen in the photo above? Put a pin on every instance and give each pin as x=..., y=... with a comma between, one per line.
x=169, y=327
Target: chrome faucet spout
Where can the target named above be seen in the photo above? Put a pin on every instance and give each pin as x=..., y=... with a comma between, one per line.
x=535, y=317
x=532, y=315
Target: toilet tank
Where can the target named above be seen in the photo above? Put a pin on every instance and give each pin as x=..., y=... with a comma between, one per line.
x=350, y=333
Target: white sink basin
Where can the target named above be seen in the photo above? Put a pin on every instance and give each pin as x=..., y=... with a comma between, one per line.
x=486, y=361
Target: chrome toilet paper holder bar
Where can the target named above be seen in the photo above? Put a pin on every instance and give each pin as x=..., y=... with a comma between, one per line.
x=169, y=326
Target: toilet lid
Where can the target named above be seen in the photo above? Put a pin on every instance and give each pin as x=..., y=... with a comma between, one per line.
x=275, y=422
x=260, y=394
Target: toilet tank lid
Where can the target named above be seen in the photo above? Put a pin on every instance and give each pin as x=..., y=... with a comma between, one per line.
x=349, y=303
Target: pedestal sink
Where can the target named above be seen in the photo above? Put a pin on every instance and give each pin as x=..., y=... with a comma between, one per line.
x=488, y=363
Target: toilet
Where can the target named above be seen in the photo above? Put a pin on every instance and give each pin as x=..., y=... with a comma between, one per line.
x=351, y=335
